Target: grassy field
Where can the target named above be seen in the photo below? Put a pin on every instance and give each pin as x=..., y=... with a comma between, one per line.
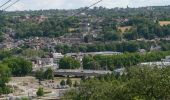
x=162, y=23
x=124, y=28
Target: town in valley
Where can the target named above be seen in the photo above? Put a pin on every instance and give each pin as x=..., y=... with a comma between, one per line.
x=88, y=53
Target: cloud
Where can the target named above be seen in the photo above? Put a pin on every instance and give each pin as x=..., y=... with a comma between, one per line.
x=72, y=4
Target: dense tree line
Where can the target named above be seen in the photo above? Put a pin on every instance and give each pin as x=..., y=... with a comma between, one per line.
x=144, y=23
x=140, y=83
x=52, y=27
x=141, y=27
x=146, y=28
x=111, y=62
x=131, y=46
x=123, y=60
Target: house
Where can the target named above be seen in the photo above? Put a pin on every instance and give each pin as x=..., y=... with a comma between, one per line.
x=51, y=60
x=119, y=71
x=159, y=64
x=163, y=63
x=167, y=59
x=57, y=57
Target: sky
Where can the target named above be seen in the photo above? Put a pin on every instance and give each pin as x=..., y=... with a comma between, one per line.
x=74, y=4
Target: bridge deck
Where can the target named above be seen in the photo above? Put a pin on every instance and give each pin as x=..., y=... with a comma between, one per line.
x=81, y=72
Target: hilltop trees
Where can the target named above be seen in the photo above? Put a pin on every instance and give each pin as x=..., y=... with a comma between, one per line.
x=52, y=27
x=58, y=23
x=123, y=60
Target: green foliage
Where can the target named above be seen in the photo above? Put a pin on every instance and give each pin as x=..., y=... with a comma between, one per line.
x=132, y=35
x=153, y=83
x=52, y=27
x=111, y=36
x=165, y=45
x=140, y=83
x=5, y=74
x=40, y=92
x=123, y=60
x=128, y=46
x=32, y=53
x=90, y=63
x=4, y=54
x=58, y=22
x=1, y=37
x=76, y=84
x=63, y=82
x=19, y=66
x=25, y=99
x=69, y=82
x=39, y=75
x=49, y=74
x=88, y=38
x=69, y=63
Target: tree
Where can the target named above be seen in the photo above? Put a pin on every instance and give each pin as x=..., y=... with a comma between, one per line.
x=69, y=82
x=39, y=75
x=86, y=61
x=33, y=53
x=49, y=74
x=69, y=63
x=5, y=74
x=146, y=81
x=4, y=54
x=40, y=92
x=112, y=36
x=76, y=84
x=62, y=83
x=19, y=66
x=88, y=38
x=90, y=63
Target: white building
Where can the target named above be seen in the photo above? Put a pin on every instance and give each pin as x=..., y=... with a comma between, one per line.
x=46, y=62
x=167, y=59
x=56, y=58
x=158, y=64
x=164, y=63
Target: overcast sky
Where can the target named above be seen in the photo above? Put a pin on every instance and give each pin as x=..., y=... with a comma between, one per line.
x=72, y=4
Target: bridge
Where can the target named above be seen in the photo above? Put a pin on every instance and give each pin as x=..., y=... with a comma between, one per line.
x=80, y=73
